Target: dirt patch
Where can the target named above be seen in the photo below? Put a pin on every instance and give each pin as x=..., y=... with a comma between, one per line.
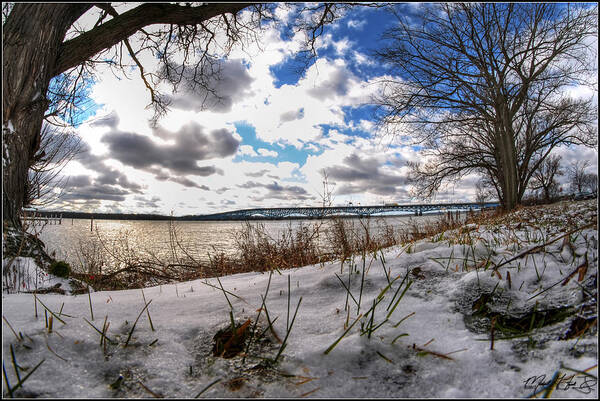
x=243, y=361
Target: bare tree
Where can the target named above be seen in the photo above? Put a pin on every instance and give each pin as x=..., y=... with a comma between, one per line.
x=544, y=178
x=591, y=182
x=481, y=87
x=58, y=146
x=577, y=175
x=483, y=192
x=49, y=60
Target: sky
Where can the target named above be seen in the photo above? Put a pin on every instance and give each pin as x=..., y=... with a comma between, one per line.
x=265, y=145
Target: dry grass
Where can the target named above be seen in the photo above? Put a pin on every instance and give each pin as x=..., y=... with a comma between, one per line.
x=115, y=264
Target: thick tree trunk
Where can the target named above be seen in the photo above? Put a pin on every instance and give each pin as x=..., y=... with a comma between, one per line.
x=506, y=157
x=33, y=34
x=508, y=176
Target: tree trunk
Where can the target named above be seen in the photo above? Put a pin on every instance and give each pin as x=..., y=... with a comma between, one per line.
x=32, y=35
x=506, y=157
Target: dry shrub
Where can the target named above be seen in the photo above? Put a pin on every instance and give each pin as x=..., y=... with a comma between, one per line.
x=346, y=237
x=116, y=264
x=258, y=251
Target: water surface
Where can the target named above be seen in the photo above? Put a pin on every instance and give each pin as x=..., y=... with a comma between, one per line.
x=76, y=239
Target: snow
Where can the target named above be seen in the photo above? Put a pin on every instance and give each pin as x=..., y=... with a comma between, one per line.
x=8, y=127
x=445, y=353
x=22, y=273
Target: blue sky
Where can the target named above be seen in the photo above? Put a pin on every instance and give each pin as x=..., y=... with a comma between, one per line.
x=266, y=145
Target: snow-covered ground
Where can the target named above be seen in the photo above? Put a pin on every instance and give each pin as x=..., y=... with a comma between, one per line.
x=434, y=342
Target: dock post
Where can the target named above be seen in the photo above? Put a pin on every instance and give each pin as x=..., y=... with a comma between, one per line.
x=92, y=224
x=60, y=221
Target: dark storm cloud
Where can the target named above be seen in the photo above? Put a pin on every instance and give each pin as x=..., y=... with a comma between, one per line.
x=354, y=169
x=94, y=192
x=78, y=181
x=106, y=174
x=360, y=175
x=230, y=85
x=111, y=120
x=110, y=183
x=292, y=190
x=250, y=185
x=114, y=177
x=191, y=145
x=257, y=174
x=222, y=190
x=336, y=84
x=162, y=175
x=186, y=182
x=276, y=191
x=152, y=203
x=292, y=115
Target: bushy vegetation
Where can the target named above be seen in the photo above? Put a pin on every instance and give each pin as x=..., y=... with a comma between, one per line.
x=60, y=268
x=115, y=264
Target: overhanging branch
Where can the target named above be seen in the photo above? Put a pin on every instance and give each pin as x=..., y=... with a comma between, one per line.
x=75, y=51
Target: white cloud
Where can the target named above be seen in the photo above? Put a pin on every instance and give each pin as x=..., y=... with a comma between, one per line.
x=266, y=152
x=362, y=59
x=247, y=150
x=357, y=24
x=294, y=115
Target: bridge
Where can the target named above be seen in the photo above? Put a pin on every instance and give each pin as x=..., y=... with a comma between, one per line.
x=335, y=211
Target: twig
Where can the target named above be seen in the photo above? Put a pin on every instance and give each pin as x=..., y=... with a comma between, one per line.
x=10, y=327
x=207, y=387
x=50, y=349
x=155, y=395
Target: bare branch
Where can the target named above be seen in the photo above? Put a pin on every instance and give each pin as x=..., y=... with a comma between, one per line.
x=483, y=86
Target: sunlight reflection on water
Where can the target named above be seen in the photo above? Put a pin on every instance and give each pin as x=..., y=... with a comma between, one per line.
x=145, y=238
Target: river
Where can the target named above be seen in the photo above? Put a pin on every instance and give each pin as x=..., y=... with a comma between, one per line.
x=74, y=241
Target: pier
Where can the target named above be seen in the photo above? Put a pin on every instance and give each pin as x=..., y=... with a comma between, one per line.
x=33, y=217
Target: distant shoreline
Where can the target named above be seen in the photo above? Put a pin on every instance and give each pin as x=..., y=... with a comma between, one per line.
x=157, y=217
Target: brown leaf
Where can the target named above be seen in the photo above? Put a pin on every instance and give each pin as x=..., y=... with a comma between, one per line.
x=582, y=270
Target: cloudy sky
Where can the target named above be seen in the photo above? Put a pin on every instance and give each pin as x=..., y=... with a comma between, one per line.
x=264, y=145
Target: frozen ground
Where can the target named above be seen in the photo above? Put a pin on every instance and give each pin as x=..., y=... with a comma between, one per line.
x=425, y=324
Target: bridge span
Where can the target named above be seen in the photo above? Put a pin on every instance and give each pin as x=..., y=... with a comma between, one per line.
x=335, y=211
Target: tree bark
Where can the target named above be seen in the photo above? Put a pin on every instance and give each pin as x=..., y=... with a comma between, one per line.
x=33, y=35
x=35, y=51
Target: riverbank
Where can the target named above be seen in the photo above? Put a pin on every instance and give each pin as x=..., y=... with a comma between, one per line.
x=503, y=308
x=136, y=254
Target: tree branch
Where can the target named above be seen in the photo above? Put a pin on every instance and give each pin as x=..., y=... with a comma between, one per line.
x=76, y=51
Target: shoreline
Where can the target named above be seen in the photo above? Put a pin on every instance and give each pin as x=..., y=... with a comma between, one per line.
x=408, y=321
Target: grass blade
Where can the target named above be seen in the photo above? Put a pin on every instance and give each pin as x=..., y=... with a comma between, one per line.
x=207, y=387
x=332, y=346
x=20, y=383
x=52, y=313
x=288, y=332
x=400, y=298
x=101, y=333
x=134, y=323
x=148, y=311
